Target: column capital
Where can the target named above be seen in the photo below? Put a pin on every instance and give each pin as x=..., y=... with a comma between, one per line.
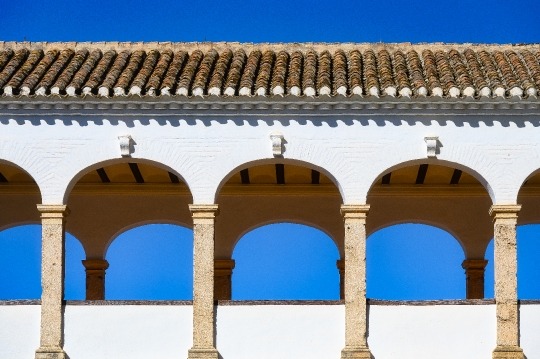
x=208, y=211
x=354, y=210
x=95, y=264
x=504, y=210
x=53, y=210
x=474, y=264
x=223, y=267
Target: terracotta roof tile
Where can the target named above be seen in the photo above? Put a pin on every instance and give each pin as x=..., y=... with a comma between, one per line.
x=188, y=73
x=355, y=72
x=339, y=71
x=235, y=72
x=99, y=73
x=231, y=69
x=371, y=75
x=250, y=71
x=294, y=79
x=220, y=71
x=31, y=80
x=173, y=72
x=146, y=70
x=416, y=73
x=56, y=68
x=280, y=73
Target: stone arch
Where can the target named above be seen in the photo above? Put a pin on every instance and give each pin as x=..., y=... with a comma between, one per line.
x=82, y=171
x=434, y=224
x=231, y=171
x=140, y=224
x=288, y=221
x=432, y=161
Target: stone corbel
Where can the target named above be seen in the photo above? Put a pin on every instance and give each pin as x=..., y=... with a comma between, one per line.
x=125, y=145
x=432, y=143
x=277, y=143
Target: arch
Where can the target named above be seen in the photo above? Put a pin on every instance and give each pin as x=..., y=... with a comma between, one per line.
x=421, y=222
x=433, y=161
x=264, y=269
x=140, y=269
x=82, y=171
x=141, y=224
x=285, y=161
x=12, y=164
x=286, y=221
x=406, y=267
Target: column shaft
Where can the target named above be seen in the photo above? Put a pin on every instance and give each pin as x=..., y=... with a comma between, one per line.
x=505, y=219
x=223, y=269
x=474, y=274
x=52, y=281
x=95, y=278
x=355, y=282
x=203, y=282
x=340, y=264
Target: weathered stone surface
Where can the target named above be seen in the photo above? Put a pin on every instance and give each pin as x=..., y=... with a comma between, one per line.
x=223, y=269
x=505, y=219
x=474, y=272
x=203, y=281
x=95, y=278
x=52, y=281
x=355, y=282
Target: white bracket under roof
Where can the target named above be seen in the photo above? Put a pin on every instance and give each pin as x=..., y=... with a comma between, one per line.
x=432, y=143
x=125, y=145
x=277, y=143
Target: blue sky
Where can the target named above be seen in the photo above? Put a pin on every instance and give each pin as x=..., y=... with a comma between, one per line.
x=404, y=262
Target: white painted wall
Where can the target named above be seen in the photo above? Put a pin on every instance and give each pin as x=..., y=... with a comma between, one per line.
x=280, y=331
x=19, y=331
x=128, y=332
x=267, y=331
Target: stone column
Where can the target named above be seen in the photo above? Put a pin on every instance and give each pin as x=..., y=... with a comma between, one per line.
x=340, y=264
x=474, y=274
x=223, y=269
x=355, y=282
x=505, y=218
x=203, y=281
x=95, y=278
x=53, y=220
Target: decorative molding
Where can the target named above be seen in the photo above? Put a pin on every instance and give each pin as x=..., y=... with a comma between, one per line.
x=125, y=145
x=432, y=143
x=278, y=142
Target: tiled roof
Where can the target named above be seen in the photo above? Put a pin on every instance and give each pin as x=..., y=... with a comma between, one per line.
x=233, y=69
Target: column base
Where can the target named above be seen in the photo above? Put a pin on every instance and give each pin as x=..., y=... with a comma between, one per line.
x=50, y=353
x=508, y=352
x=203, y=353
x=356, y=353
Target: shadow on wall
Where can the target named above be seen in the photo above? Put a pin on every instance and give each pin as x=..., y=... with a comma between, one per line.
x=151, y=262
x=285, y=262
x=20, y=264
x=528, y=247
x=414, y=262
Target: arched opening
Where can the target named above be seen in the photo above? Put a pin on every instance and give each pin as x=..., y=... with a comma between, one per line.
x=528, y=268
x=152, y=262
x=276, y=194
x=110, y=198
x=414, y=262
x=20, y=264
x=285, y=261
x=420, y=194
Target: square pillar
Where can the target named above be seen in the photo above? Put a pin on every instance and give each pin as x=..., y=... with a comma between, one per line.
x=53, y=221
x=340, y=264
x=203, y=281
x=474, y=274
x=505, y=219
x=95, y=278
x=355, y=282
x=223, y=269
